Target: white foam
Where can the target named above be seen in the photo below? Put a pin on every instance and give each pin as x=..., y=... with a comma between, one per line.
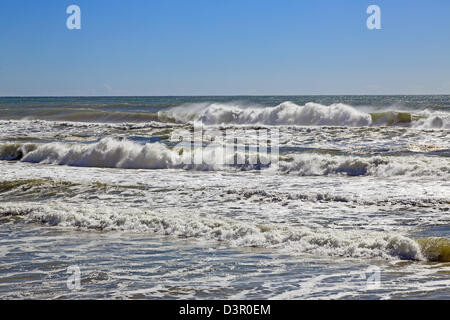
x=114, y=153
x=287, y=113
x=310, y=114
x=126, y=154
x=235, y=233
x=382, y=166
x=433, y=120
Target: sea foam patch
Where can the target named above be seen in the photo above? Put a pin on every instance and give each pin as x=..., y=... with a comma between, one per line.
x=235, y=233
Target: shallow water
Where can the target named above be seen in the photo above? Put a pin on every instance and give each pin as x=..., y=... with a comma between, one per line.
x=123, y=265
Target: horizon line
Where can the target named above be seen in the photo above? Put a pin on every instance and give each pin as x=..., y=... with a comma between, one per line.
x=221, y=95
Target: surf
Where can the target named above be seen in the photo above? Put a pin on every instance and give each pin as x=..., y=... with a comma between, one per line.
x=310, y=114
x=234, y=233
x=127, y=154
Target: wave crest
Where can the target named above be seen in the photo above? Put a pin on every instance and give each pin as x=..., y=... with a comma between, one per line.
x=126, y=154
x=320, y=165
x=287, y=113
x=310, y=114
x=232, y=232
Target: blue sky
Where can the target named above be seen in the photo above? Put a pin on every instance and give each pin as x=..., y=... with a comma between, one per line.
x=224, y=47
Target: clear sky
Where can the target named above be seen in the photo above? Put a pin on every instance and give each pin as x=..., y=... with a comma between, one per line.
x=224, y=47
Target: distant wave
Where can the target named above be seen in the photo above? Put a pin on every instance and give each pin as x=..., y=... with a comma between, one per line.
x=284, y=114
x=126, y=154
x=311, y=114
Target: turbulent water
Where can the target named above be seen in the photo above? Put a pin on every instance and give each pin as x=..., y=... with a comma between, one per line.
x=349, y=188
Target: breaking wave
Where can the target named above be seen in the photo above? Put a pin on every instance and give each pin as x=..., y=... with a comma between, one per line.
x=286, y=113
x=321, y=165
x=311, y=114
x=235, y=233
x=126, y=154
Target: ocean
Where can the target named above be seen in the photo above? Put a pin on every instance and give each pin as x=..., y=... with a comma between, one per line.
x=245, y=197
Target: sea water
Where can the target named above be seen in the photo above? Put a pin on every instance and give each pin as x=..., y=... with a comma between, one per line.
x=356, y=204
